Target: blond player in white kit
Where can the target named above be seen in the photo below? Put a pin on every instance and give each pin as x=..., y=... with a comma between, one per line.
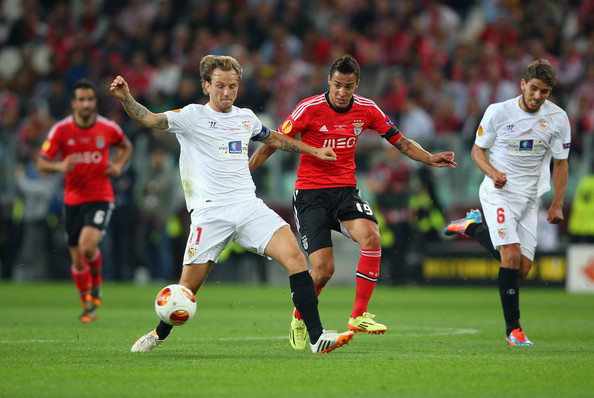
x=220, y=192
x=522, y=135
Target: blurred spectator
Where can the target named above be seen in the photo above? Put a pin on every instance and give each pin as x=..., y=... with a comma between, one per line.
x=139, y=73
x=445, y=119
x=165, y=18
x=38, y=190
x=389, y=181
x=136, y=16
x=9, y=231
x=166, y=78
x=33, y=129
x=158, y=199
x=57, y=101
x=295, y=16
x=415, y=122
x=427, y=213
x=471, y=123
x=92, y=22
x=119, y=243
x=394, y=98
x=30, y=27
x=280, y=46
x=27, y=76
x=571, y=68
x=439, y=20
x=581, y=218
x=495, y=88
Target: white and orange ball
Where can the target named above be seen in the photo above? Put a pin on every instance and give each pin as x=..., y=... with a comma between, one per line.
x=175, y=304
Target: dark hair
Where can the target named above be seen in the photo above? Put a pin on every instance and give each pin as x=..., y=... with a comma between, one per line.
x=83, y=83
x=542, y=70
x=211, y=62
x=346, y=65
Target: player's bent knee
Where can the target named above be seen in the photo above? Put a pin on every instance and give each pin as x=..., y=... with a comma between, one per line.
x=294, y=262
x=523, y=272
x=323, y=276
x=87, y=250
x=371, y=241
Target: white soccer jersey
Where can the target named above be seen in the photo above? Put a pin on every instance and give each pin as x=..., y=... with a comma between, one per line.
x=213, y=159
x=522, y=143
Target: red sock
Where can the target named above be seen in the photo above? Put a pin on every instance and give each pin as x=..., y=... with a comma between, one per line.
x=95, y=264
x=367, y=274
x=82, y=281
x=318, y=291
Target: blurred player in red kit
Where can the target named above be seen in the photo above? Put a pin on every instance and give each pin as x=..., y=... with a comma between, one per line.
x=326, y=196
x=78, y=146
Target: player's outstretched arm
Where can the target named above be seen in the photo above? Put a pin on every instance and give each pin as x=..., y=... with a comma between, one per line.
x=289, y=144
x=416, y=152
x=119, y=88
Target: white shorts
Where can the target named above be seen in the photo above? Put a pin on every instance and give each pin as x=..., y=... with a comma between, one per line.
x=250, y=224
x=511, y=218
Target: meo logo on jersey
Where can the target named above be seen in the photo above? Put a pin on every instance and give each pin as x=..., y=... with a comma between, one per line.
x=340, y=142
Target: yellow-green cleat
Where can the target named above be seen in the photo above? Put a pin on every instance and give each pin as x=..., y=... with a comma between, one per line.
x=297, y=333
x=365, y=323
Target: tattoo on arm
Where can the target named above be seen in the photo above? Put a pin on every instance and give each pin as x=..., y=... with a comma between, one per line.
x=135, y=109
x=403, y=145
x=162, y=123
x=140, y=114
x=286, y=146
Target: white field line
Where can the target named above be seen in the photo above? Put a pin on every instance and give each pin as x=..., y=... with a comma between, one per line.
x=398, y=331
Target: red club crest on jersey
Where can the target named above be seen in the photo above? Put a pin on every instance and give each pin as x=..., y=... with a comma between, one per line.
x=100, y=141
x=358, y=128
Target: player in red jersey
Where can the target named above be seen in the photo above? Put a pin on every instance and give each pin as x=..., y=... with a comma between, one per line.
x=83, y=141
x=326, y=196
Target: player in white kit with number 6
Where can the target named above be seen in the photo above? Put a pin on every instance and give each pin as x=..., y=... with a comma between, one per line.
x=522, y=134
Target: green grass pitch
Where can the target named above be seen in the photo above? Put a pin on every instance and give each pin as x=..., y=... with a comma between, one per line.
x=441, y=342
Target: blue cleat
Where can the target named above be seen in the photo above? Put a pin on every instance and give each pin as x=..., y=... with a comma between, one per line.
x=459, y=226
x=518, y=338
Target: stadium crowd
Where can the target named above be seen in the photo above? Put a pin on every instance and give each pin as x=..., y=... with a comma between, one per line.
x=433, y=66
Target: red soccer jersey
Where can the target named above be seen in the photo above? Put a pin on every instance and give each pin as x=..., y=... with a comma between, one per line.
x=321, y=125
x=87, y=182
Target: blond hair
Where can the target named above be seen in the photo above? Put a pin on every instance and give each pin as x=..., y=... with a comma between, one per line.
x=223, y=62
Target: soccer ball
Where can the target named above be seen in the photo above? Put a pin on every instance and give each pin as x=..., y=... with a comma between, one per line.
x=175, y=304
